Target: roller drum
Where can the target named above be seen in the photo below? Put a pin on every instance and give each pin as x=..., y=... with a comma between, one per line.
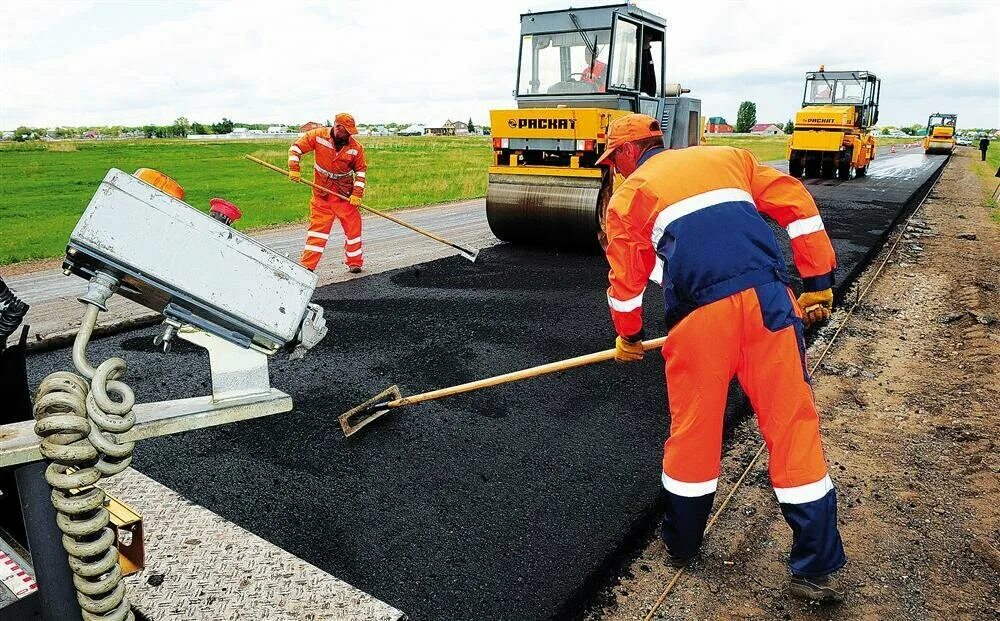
x=551, y=211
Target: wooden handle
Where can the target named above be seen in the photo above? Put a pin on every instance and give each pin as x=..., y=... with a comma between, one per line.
x=365, y=207
x=506, y=378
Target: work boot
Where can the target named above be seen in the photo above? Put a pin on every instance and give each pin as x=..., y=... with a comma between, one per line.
x=821, y=589
x=354, y=269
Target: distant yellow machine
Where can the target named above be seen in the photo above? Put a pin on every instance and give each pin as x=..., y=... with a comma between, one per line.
x=940, y=136
x=579, y=69
x=831, y=135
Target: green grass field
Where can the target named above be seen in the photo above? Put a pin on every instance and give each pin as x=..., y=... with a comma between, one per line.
x=769, y=148
x=987, y=171
x=44, y=187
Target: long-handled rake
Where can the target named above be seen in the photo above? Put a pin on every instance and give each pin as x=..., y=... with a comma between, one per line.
x=467, y=253
x=389, y=399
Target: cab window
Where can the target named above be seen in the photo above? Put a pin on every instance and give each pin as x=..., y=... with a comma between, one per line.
x=625, y=53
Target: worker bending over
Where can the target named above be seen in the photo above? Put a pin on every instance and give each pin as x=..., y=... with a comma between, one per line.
x=690, y=220
x=339, y=166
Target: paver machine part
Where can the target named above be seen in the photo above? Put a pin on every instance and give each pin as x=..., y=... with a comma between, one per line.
x=832, y=130
x=579, y=69
x=940, y=136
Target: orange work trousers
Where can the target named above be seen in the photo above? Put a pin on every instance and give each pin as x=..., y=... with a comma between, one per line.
x=756, y=336
x=322, y=213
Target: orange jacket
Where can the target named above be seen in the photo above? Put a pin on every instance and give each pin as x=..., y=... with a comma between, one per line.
x=343, y=171
x=688, y=219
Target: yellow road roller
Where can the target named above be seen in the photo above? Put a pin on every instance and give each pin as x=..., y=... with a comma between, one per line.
x=831, y=135
x=940, y=136
x=578, y=70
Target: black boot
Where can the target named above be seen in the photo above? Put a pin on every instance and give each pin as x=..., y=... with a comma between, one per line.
x=821, y=589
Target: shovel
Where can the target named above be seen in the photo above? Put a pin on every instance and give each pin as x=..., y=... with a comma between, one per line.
x=468, y=254
x=389, y=399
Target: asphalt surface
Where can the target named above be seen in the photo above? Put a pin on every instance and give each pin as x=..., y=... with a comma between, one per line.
x=511, y=503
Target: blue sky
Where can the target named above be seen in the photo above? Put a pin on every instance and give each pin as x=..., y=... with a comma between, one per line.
x=131, y=63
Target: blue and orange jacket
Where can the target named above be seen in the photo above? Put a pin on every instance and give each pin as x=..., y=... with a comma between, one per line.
x=690, y=220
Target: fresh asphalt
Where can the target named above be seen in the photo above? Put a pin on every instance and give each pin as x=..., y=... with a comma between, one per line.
x=510, y=503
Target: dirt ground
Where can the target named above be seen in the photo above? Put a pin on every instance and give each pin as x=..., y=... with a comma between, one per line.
x=909, y=397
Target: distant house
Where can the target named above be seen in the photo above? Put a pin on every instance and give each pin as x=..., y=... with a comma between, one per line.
x=240, y=130
x=718, y=125
x=413, y=130
x=8, y=135
x=767, y=129
x=277, y=129
x=91, y=134
x=440, y=131
x=449, y=128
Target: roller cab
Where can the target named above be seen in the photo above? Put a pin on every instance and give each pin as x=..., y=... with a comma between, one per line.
x=940, y=136
x=579, y=69
x=832, y=130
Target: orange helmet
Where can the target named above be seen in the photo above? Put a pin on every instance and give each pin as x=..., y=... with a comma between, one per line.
x=346, y=121
x=158, y=180
x=629, y=128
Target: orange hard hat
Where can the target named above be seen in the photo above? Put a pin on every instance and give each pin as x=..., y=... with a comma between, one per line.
x=158, y=180
x=346, y=121
x=630, y=128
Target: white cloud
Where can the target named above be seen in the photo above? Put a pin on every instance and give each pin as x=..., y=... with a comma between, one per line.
x=78, y=63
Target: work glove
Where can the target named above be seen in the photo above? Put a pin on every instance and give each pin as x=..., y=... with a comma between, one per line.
x=627, y=351
x=355, y=200
x=815, y=306
x=295, y=176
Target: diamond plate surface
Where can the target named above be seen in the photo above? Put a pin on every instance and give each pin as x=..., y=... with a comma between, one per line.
x=212, y=569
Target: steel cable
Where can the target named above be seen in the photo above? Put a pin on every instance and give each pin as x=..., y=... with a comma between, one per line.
x=78, y=422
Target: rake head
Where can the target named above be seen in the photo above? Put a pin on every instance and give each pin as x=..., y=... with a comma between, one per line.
x=472, y=256
x=354, y=419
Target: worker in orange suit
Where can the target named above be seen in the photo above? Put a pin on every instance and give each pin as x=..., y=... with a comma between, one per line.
x=690, y=220
x=340, y=166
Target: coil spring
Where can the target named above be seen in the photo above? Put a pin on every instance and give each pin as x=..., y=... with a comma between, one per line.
x=77, y=423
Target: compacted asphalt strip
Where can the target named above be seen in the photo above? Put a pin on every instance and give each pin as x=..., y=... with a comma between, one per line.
x=510, y=503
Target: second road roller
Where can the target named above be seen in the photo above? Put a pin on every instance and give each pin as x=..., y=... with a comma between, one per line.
x=579, y=69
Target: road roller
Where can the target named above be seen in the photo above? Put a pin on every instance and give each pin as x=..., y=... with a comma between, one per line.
x=578, y=70
x=940, y=136
x=832, y=134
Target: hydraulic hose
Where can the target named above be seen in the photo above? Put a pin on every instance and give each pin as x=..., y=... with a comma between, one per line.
x=78, y=422
x=12, y=311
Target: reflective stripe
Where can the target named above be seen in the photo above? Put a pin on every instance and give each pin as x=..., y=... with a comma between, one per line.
x=359, y=184
x=361, y=174
x=293, y=158
x=356, y=240
x=804, y=226
x=295, y=148
x=688, y=490
x=324, y=142
x=354, y=253
x=314, y=248
x=657, y=274
x=804, y=493
x=319, y=235
x=329, y=174
x=624, y=306
x=695, y=203
x=352, y=151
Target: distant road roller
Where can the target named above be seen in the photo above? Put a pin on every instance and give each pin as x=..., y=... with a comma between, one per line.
x=832, y=130
x=578, y=70
x=940, y=136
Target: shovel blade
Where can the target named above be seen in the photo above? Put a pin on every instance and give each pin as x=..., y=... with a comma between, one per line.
x=356, y=418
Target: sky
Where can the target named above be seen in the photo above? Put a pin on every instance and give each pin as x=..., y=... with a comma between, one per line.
x=134, y=63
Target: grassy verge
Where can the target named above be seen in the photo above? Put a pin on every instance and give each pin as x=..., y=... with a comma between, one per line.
x=987, y=171
x=44, y=187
